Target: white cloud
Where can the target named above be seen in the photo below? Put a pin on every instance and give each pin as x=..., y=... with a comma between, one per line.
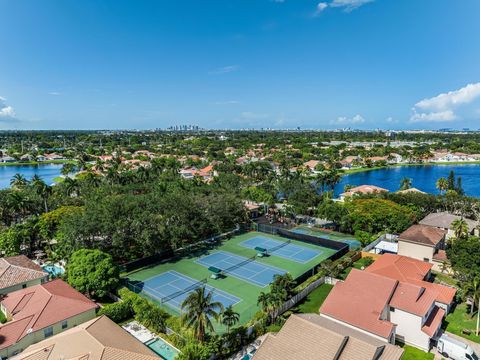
x=320, y=7
x=55, y=93
x=343, y=120
x=445, y=107
x=346, y=5
x=6, y=111
x=224, y=70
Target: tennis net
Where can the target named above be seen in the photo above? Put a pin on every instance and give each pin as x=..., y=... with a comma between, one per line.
x=239, y=265
x=275, y=248
x=183, y=291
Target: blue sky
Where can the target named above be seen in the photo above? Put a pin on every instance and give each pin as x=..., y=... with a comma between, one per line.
x=89, y=64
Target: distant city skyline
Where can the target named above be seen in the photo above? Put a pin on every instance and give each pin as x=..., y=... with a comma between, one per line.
x=236, y=64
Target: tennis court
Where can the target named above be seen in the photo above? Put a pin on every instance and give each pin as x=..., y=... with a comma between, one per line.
x=331, y=235
x=240, y=267
x=172, y=288
x=284, y=249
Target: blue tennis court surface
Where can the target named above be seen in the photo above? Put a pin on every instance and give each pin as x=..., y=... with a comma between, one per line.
x=253, y=272
x=167, y=287
x=282, y=249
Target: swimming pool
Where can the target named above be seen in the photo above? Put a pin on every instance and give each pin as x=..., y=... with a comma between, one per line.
x=162, y=348
x=54, y=270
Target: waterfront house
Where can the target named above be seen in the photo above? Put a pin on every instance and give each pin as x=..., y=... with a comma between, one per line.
x=19, y=272
x=362, y=190
x=7, y=159
x=386, y=308
x=313, y=337
x=41, y=311
x=97, y=339
x=424, y=243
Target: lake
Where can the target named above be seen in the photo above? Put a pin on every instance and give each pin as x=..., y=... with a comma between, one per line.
x=47, y=172
x=423, y=177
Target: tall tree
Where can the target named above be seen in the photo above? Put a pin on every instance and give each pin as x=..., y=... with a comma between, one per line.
x=229, y=317
x=199, y=310
x=442, y=185
x=460, y=228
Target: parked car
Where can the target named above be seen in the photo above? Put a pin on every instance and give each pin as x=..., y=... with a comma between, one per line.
x=454, y=349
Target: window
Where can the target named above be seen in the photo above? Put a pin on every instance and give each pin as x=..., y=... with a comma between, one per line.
x=426, y=259
x=48, y=332
x=64, y=324
x=24, y=286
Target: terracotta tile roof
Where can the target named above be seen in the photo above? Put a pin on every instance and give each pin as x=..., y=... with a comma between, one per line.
x=433, y=322
x=412, y=271
x=360, y=301
x=400, y=267
x=413, y=299
x=312, y=337
x=423, y=234
x=365, y=189
x=40, y=306
x=16, y=270
x=97, y=339
x=441, y=255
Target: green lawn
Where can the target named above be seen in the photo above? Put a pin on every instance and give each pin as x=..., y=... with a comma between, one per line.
x=459, y=319
x=444, y=278
x=312, y=303
x=357, y=265
x=412, y=353
x=244, y=290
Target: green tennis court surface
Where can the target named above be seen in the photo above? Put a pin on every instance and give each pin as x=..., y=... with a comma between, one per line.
x=328, y=234
x=234, y=285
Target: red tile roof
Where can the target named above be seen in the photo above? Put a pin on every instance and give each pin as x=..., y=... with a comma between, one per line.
x=360, y=301
x=16, y=270
x=413, y=299
x=365, y=189
x=412, y=271
x=423, y=234
x=433, y=322
x=40, y=306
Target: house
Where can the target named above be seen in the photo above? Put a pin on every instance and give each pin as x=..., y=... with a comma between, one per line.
x=311, y=165
x=410, y=191
x=19, y=272
x=313, y=337
x=350, y=162
x=362, y=190
x=386, y=308
x=424, y=243
x=97, y=339
x=444, y=220
x=413, y=271
x=252, y=208
x=54, y=156
x=41, y=311
x=7, y=159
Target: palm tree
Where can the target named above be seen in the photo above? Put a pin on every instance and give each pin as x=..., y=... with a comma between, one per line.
x=71, y=186
x=442, y=184
x=18, y=181
x=265, y=301
x=460, y=228
x=405, y=183
x=230, y=317
x=42, y=189
x=199, y=310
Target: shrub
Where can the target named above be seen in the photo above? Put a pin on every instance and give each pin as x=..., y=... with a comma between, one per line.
x=118, y=312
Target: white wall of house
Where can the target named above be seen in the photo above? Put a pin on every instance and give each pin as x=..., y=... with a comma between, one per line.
x=39, y=335
x=409, y=329
x=415, y=250
x=20, y=286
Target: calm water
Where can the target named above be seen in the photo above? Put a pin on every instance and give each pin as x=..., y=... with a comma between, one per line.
x=47, y=172
x=424, y=177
